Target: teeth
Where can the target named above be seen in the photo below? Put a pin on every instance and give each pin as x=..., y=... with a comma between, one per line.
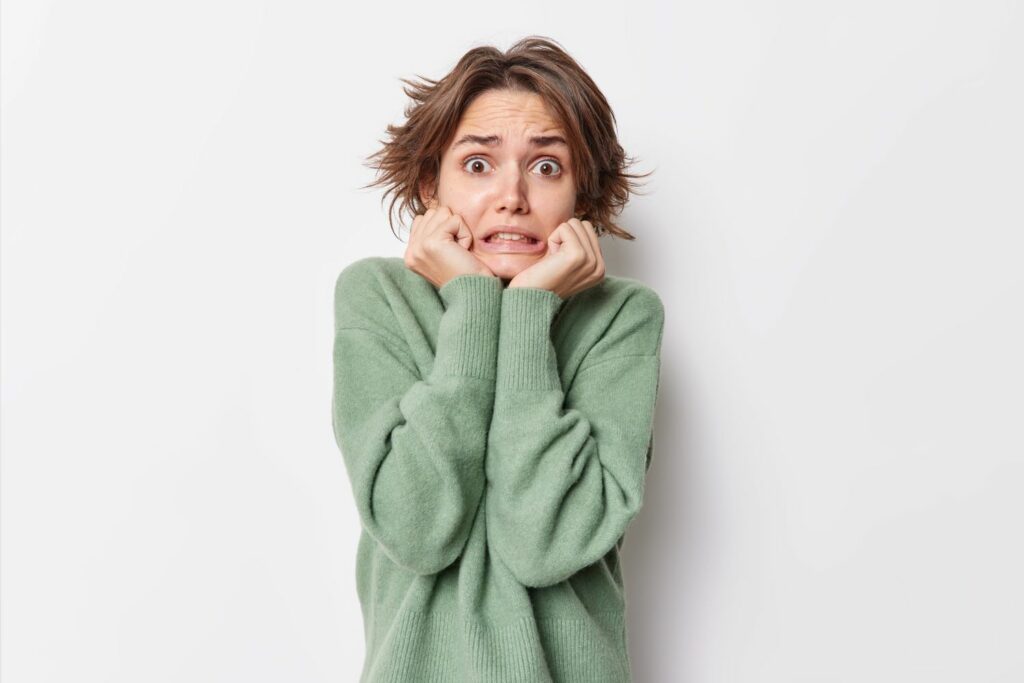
x=510, y=236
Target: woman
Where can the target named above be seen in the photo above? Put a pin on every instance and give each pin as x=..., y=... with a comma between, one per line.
x=494, y=391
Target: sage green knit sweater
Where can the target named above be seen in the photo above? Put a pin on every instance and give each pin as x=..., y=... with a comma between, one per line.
x=496, y=442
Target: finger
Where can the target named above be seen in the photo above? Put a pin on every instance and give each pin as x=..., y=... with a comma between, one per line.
x=414, y=229
x=574, y=245
x=591, y=234
x=557, y=237
x=579, y=232
x=451, y=225
x=463, y=234
x=424, y=218
x=591, y=240
x=441, y=215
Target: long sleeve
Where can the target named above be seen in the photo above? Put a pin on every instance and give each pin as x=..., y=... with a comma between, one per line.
x=414, y=447
x=565, y=470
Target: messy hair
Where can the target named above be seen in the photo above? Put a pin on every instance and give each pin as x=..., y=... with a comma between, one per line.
x=410, y=160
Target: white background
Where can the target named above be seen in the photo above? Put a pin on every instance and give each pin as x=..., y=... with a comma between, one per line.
x=834, y=224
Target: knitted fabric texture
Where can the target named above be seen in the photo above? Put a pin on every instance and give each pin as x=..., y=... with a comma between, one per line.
x=496, y=441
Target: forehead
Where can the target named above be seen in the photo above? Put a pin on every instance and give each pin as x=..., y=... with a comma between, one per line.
x=504, y=112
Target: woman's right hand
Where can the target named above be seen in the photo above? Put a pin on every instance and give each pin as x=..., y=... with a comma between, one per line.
x=439, y=247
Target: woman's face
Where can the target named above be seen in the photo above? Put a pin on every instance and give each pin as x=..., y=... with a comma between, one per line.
x=511, y=180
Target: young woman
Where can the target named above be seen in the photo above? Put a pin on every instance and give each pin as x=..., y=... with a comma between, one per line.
x=494, y=391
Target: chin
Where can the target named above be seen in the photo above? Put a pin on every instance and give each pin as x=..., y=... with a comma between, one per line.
x=507, y=266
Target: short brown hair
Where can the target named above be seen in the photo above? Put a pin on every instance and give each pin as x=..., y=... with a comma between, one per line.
x=411, y=158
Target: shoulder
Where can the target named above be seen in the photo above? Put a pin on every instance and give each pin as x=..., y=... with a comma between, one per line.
x=621, y=299
x=368, y=273
x=366, y=291
x=621, y=315
x=640, y=298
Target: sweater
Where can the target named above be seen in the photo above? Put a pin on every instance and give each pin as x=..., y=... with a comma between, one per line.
x=496, y=440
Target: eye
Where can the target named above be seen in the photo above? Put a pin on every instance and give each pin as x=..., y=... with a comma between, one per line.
x=548, y=163
x=551, y=168
x=474, y=161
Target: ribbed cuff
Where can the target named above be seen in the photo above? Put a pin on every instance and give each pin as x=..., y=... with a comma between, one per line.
x=467, y=339
x=526, y=354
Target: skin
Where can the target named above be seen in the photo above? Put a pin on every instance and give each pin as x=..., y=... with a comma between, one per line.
x=514, y=182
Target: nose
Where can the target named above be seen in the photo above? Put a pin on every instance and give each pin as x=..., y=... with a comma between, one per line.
x=512, y=192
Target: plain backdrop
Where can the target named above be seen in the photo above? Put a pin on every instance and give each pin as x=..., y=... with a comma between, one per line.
x=834, y=224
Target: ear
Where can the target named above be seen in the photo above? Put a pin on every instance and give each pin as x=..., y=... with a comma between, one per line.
x=427, y=195
x=581, y=208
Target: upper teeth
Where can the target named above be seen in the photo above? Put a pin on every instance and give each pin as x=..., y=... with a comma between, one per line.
x=508, y=236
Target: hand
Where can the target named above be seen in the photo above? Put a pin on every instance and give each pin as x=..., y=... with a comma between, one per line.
x=439, y=247
x=573, y=261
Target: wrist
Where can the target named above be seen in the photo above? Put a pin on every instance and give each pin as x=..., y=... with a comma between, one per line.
x=530, y=285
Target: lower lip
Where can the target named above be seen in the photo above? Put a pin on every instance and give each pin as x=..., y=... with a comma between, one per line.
x=517, y=247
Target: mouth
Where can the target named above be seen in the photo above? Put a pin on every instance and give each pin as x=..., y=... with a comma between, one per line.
x=501, y=244
x=511, y=239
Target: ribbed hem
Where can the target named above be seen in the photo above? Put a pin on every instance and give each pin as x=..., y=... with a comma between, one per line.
x=441, y=648
x=526, y=355
x=467, y=339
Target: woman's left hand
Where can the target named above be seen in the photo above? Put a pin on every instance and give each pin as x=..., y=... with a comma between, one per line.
x=573, y=261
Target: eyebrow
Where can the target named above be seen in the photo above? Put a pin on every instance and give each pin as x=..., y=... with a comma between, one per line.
x=495, y=140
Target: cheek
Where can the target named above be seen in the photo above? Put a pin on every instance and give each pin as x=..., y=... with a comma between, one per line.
x=562, y=207
x=465, y=201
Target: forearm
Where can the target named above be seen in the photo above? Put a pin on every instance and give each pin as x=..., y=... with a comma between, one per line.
x=414, y=448
x=565, y=470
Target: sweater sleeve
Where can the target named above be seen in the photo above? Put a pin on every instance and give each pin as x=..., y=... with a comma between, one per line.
x=414, y=447
x=565, y=470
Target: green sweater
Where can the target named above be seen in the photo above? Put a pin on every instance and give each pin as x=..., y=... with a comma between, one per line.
x=496, y=441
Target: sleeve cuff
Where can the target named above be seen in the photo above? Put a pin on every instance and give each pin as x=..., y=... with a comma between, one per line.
x=467, y=339
x=526, y=354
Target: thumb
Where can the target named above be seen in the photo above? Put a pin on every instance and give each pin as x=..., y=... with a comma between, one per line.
x=463, y=234
x=556, y=239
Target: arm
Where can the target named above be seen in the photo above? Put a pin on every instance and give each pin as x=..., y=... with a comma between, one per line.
x=565, y=471
x=414, y=448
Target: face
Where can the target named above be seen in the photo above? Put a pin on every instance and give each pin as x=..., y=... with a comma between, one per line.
x=511, y=180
